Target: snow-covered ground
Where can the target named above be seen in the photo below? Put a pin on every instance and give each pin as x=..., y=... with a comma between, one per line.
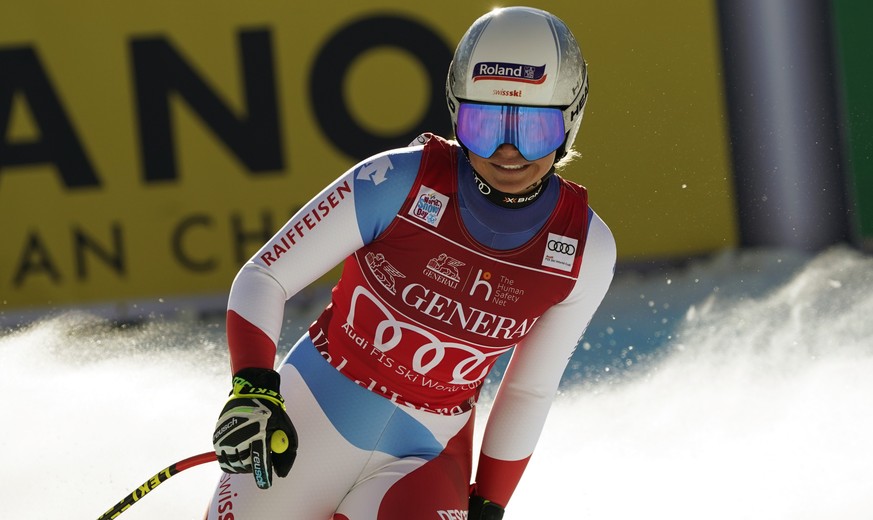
x=735, y=387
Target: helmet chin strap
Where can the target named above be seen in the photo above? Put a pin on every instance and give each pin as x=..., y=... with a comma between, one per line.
x=512, y=200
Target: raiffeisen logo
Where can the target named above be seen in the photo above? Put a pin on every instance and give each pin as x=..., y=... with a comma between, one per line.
x=509, y=72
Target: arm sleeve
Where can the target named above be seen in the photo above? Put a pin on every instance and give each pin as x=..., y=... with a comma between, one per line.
x=535, y=370
x=345, y=216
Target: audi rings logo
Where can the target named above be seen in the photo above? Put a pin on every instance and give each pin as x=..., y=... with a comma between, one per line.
x=484, y=188
x=560, y=252
x=561, y=247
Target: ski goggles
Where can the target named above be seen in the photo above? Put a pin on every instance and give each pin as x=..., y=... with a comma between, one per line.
x=535, y=131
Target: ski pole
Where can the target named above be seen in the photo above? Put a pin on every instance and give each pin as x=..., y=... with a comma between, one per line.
x=155, y=481
x=278, y=444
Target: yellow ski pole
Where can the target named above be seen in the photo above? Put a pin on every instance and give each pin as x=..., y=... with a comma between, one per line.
x=155, y=481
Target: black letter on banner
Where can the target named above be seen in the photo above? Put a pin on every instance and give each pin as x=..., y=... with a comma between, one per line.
x=21, y=71
x=83, y=243
x=160, y=71
x=207, y=264
x=332, y=64
x=35, y=259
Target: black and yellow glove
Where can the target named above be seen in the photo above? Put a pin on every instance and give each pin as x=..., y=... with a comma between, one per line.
x=253, y=433
x=481, y=509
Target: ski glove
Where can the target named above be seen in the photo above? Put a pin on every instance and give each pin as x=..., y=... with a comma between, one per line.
x=253, y=433
x=481, y=509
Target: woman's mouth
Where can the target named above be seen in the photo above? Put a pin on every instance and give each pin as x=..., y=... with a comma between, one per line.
x=511, y=167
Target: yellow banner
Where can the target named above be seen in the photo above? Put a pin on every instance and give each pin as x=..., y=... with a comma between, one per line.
x=147, y=149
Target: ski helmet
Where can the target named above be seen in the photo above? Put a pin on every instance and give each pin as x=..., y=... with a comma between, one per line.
x=520, y=56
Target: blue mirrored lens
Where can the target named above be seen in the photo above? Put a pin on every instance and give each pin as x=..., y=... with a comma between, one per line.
x=535, y=131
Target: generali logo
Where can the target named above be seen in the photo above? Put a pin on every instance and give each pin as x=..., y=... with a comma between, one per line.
x=444, y=269
x=384, y=272
x=466, y=363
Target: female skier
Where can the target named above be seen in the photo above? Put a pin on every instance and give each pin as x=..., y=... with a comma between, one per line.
x=455, y=251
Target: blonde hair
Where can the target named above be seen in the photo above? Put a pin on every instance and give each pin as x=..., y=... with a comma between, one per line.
x=568, y=157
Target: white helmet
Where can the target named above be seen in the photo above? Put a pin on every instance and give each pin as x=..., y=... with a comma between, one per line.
x=520, y=56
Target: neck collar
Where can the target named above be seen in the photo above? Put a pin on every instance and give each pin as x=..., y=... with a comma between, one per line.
x=509, y=200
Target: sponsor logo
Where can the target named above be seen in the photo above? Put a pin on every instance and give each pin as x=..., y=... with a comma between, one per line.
x=151, y=484
x=453, y=107
x=302, y=223
x=503, y=294
x=452, y=514
x=429, y=206
x=431, y=350
x=444, y=269
x=559, y=246
x=507, y=93
x=376, y=170
x=560, y=252
x=384, y=272
x=481, y=281
x=484, y=188
x=577, y=110
x=521, y=200
x=258, y=470
x=509, y=72
x=224, y=428
x=506, y=292
x=225, y=496
x=422, y=139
